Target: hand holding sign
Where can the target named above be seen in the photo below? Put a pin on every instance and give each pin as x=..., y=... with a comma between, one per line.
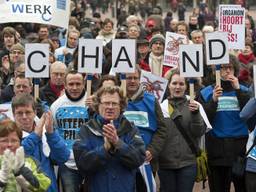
x=217, y=92
x=193, y=106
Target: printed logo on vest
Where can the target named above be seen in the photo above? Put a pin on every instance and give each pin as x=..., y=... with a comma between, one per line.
x=139, y=118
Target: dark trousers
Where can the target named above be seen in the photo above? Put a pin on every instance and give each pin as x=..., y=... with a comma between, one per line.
x=177, y=180
x=140, y=183
x=70, y=178
x=250, y=181
x=220, y=178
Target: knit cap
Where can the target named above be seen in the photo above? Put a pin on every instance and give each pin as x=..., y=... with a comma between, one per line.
x=155, y=38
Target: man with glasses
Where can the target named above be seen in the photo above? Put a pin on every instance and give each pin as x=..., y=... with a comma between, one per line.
x=39, y=138
x=17, y=53
x=144, y=110
x=109, y=148
x=153, y=62
x=21, y=85
x=69, y=113
x=8, y=92
x=55, y=86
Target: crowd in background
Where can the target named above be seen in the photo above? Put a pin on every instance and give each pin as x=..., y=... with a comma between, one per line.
x=90, y=137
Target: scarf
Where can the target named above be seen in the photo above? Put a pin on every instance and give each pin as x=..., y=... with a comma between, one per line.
x=156, y=64
x=56, y=90
x=106, y=33
x=246, y=58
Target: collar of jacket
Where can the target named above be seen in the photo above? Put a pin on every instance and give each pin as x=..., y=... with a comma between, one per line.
x=56, y=90
x=138, y=95
x=95, y=125
x=177, y=100
x=77, y=99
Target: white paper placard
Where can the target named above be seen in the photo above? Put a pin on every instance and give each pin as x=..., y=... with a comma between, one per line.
x=37, y=60
x=90, y=53
x=123, y=55
x=191, y=60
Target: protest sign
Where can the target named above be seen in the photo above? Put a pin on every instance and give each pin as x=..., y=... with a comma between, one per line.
x=216, y=44
x=37, y=60
x=171, y=51
x=232, y=20
x=153, y=84
x=191, y=60
x=123, y=55
x=90, y=53
x=50, y=12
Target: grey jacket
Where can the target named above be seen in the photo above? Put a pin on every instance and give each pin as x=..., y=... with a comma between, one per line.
x=176, y=152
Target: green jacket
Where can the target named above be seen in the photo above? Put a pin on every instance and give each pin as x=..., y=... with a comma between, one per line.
x=30, y=178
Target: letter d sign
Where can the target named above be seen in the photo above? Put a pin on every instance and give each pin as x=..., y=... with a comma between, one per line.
x=216, y=48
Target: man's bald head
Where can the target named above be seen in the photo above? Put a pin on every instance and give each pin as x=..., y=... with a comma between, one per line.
x=57, y=73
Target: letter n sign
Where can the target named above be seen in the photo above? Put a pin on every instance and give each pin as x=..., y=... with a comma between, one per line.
x=37, y=60
x=191, y=60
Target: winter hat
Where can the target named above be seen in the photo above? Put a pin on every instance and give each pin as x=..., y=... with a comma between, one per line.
x=155, y=38
x=122, y=29
x=150, y=23
x=142, y=42
x=17, y=46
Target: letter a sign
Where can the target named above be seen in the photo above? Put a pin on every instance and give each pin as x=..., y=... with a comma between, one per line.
x=123, y=55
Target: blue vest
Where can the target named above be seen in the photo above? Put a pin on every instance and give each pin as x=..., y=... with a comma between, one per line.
x=227, y=122
x=142, y=113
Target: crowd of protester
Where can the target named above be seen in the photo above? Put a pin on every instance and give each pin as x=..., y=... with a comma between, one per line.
x=100, y=142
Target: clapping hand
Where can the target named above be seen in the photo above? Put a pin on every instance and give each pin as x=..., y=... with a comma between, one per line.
x=6, y=165
x=19, y=160
x=110, y=136
x=49, y=122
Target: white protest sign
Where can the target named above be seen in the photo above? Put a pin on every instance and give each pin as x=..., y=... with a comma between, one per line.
x=153, y=84
x=123, y=55
x=171, y=51
x=37, y=60
x=50, y=12
x=191, y=60
x=90, y=53
x=232, y=20
x=216, y=44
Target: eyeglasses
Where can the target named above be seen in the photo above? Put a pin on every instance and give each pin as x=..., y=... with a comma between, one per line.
x=158, y=43
x=226, y=67
x=21, y=86
x=132, y=78
x=9, y=141
x=21, y=113
x=58, y=74
x=109, y=103
x=17, y=52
